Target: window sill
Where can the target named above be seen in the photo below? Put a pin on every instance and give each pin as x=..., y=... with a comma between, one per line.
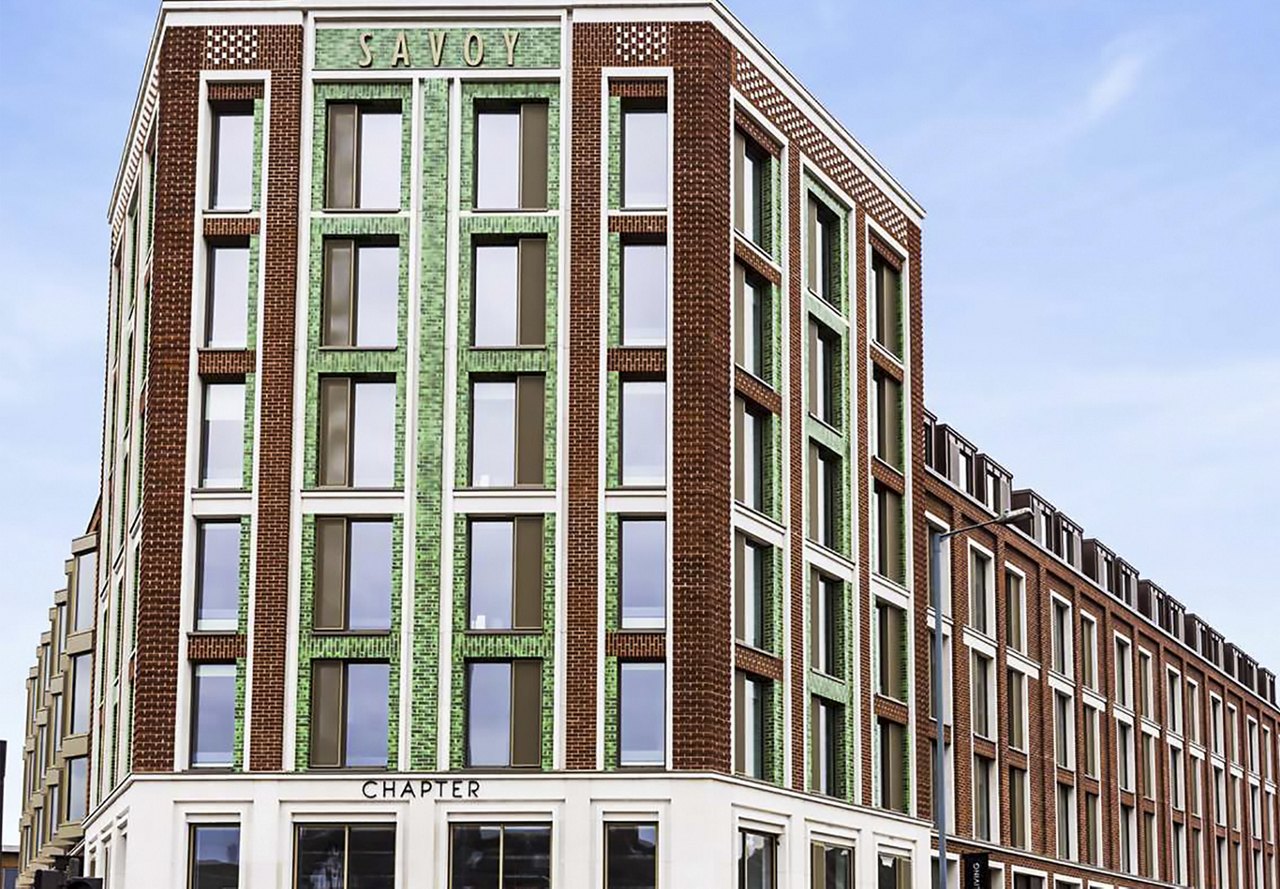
x=887, y=353
x=512, y=347
x=504, y=631
x=350, y=634
x=652, y=631
x=825, y=424
x=332, y=350
x=510, y=211
x=362, y=211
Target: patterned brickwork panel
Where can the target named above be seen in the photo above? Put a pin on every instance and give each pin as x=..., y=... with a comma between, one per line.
x=643, y=43
x=230, y=47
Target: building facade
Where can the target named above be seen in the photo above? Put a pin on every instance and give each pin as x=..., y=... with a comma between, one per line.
x=513, y=475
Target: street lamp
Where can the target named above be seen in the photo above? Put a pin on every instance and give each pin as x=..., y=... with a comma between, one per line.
x=939, y=701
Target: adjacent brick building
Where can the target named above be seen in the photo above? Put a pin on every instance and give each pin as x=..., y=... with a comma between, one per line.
x=512, y=469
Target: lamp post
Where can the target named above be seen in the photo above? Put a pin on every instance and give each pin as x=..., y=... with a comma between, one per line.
x=939, y=701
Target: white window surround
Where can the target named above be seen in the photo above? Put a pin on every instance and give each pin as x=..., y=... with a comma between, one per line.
x=1022, y=577
x=1123, y=695
x=1092, y=654
x=990, y=587
x=1068, y=667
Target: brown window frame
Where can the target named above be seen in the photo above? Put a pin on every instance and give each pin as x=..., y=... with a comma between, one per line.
x=346, y=286
x=527, y=551
x=319, y=666
x=325, y=561
x=887, y=320
x=357, y=111
x=534, y=152
x=328, y=387
x=528, y=470
x=524, y=743
x=531, y=289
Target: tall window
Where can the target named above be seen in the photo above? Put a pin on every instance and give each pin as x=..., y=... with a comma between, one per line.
x=215, y=856
x=509, y=286
x=751, y=566
x=831, y=866
x=511, y=156
x=983, y=700
x=353, y=571
x=505, y=574
x=824, y=488
x=1146, y=681
x=361, y=294
x=757, y=860
x=644, y=293
x=1177, y=778
x=630, y=856
x=357, y=432
x=1092, y=829
x=77, y=787
x=751, y=189
x=1064, y=725
x=1065, y=816
x=222, y=439
x=217, y=575
x=1061, y=628
x=890, y=558
x=1090, y=733
x=213, y=715
x=1015, y=598
x=644, y=154
x=749, y=451
x=226, y=310
x=1124, y=755
x=507, y=432
x=824, y=760
x=1148, y=766
x=886, y=304
x=1124, y=674
x=753, y=323
x=824, y=623
x=1173, y=701
x=888, y=419
x=750, y=702
x=983, y=781
x=981, y=595
x=1128, y=839
x=642, y=695
x=363, y=156
x=349, y=709
x=1089, y=652
x=824, y=372
x=893, y=871
x=81, y=692
x=643, y=573
x=644, y=432
x=893, y=764
x=85, y=591
x=823, y=234
x=1017, y=710
x=504, y=713
x=231, y=168
x=344, y=855
x=891, y=637
x=1019, y=835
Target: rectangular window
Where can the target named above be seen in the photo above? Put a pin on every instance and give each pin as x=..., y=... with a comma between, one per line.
x=980, y=592
x=508, y=431
x=751, y=567
x=226, y=310
x=1176, y=778
x=893, y=765
x=353, y=574
x=824, y=624
x=824, y=761
x=1063, y=729
x=215, y=856
x=750, y=701
x=231, y=164
x=644, y=154
x=361, y=294
x=1128, y=839
x=1092, y=829
x=213, y=715
x=85, y=589
x=1194, y=732
x=891, y=638
x=750, y=449
x=1194, y=783
x=505, y=574
x=222, y=436
x=1061, y=637
x=1148, y=766
x=630, y=856
x=357, y=447
x=644, y=293
x=217, y=575
x=1065, y=818
x=1018, y=823
x=1215, y=713
x=888, y=419
x=643, y=573
x=1017, y=710
x=983, y=774
x=757, y=860
x=1015, y=611
x=753, y=323
x=509, y=291
x=1089, y=652
x=363, y=156
x=642, y=694
x=751, y=189
x=498, y=855
x=81, y=692
x=511, y=156
x=1146, y=692
x=886, y=302
x=344, y=856
x=349, y=708
x=823, y=234
x=830, y=867
x=1150, y=866
x=1091, y=722
x=983, y=711
x=1173, y=702
x=824, y=372
x=644, y=433
x=1124, y=676
x=890, y=561
x=1220, y=795
x=824, y=488
x=504, y=713
x=893, y=872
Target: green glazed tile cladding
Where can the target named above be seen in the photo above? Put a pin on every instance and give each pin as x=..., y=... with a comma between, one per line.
x=515, y=92
x=387, y=49
x=837, y=688
x=501, y=645
x=325, y=93
x=347, y=646
x=431, y=331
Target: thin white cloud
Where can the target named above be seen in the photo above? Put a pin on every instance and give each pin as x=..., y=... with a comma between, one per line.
x=1117, y=82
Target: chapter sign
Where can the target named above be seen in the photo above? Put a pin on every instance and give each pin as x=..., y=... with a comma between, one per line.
x=421, y=788
x=390, y=49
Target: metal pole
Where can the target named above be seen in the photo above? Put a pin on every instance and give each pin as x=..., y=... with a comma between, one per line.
x=940, y=708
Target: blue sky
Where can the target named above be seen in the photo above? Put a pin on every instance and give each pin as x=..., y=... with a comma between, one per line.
x=1101, y=258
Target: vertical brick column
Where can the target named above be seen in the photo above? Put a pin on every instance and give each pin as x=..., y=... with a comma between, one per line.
x=698, y=382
